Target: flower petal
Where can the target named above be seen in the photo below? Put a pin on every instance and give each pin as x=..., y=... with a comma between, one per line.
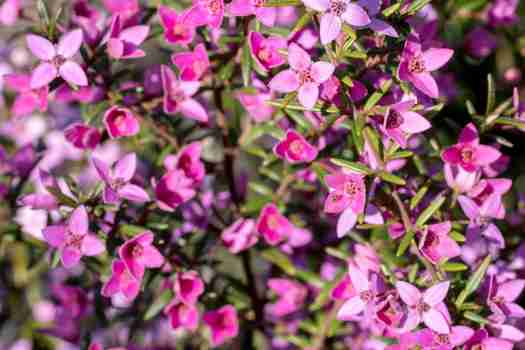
x=134, y=193
x=346, y=222
x=322, y=71
x=78, y=221
x=55, y=235
x=308, y=95
x=434, y=58
x=92, y=245
x=193, y=110
x=330, y=27
x=73, y=73
x=318, y=5
x=285, y=81
x=42, y=75
x=298, y=58
x=408, y=293
x=425, y=83
x=355, y=15
x=70, y=43
x=41, y=47
x=435, y=320
x=436, y=294
x=350, y=308
x=125, y=167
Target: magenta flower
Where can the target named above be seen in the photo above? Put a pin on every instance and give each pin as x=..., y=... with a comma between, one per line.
x=117, y=180
x=243, y=8
x=192, y=65
x=416, y=65
x=240, y=235
x=57, y=59
x=272, y=225
x=428, y=339
x=424, y=306
x=120, y=122
x=335, y=13
x=481, y=216
x=364, y=298
x=482, y=340
x=468, y=153
x=9, y=12
x=73, y=239
x=373, y=8
x=255, y=103
x=121, y=282
x=265, y=51
x=82, y=136
x=304, y=76
x=501, y=297
x=139, y=253
x=347, y=197
x=295, y=149
x=189, y=161
x=122, y=7
x=178, y=96
x=291, y=296
x=124, y=43
x=182, y=315
x=436, y=245
x=188, y=286
x=173, y=189
x=222, y=323
x=28, y=99
x=400, y=122
x=177, y=28
x=207, y=12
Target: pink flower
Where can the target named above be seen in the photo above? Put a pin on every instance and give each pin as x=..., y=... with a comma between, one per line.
x=189, y=161
x=291, y=296
x=121, y=282
x=124, y=7
x=73, y=240
x=480, y=43
x=272, y=225
x=335, y=13
x=173, y=189
x=347, y=197
x=207, y=12
x=9, y=12
x=436, y=245
x=117, y=180
x=192, y=65
x=178, y=96
x=255, y=103
x=82, y=136
x=373, y=8
x=177, y=28
x=502, y=296
x=304, y=76
x=364, y=297
x=481, y=340
x=28, y=99
x=243, y=8
x=295, y=149
x=265, y=51
x=120, y=122
x=222, y=323
x=182, y=315
x=57, y=59
x=428, y=339
x=424, y=306
x=468, y=153
x=458, y=179
x=240, y=236
x=188, y=286
x=123, y=43
x=400, y=122
x=139, y=253
x=416, y=65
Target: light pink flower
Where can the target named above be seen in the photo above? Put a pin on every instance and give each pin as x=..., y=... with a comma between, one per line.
x=255, y=103
x=240, y=236
x=468, y=153
x=482, y=340
x=424, y=306
x=56, y=59
x=416, y=65
x=335, y=13
x=28, y=99
x=178, y=96
x=223, y=324
x=82, y=136
x=400, y=122
x=502, y=297
x=189, y=161
x=117, y=180
x=173, y=189
x=121, y=282
x=182, y=315
x=436, y=245
x=295, y=149
x=177, y=28
x=9, y=12
x=272, y=225
x=373, y=8
x=303, y=76
x=242, y=8
x=347, y=197
x=265, y=51
x=458, y=179
x=188, y=286
x=364, y=297
x=291, y=296
x=120, y=122
x=73, y=239
x=124, y=43
x=207, y=12
x=139, y=253
x=428, y=339
x=192, y=65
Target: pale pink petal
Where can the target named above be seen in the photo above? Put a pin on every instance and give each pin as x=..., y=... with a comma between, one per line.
x=298, y=58
x=70, y=43
x=241, y=8
x=41, y=47
x=435, y=320
x=355, y=15
x=436, y=294
x=330, y=27
x=511, y=290
x=414, y=123
x=460, y=334
x=470, y=208
x=425, y=83
x=308, y=95
x=55, y=235
x=318, y=5
x=285, y=81
x=434, y=58
x=103, y=170
x=152, y=257
x=408, y=293
x=125, y=167
x=358, y=278
x=346, y=222
x=134, y=193
x=486, y=155
x=78, y=222
x=70, y=257
x=92, y=245
x=135, y=35
x=383, y=28
x=42, y=75
x=73, y=73
x=194, y=110
x=322, y=71
x=350, y=308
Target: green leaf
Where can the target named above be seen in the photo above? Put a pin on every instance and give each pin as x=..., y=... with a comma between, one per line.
x=469, y=315
x=279, y=259
x=473, y=282
x=299, y=119
x=226, y=72
x=454, y=267
x=56, y=259
x=323, y=298
x=246, y=63
x=405, y=242
x=416, y=6
x=279, y=3
x=491, y=95
x=131, y=230
x=303, y=21
x=458, y=237
x=61, y=197
x=519, y=124
x=388, y=177
x=430, y=210
x=389, y=11
x=309, y=277
x=158, y=305
x=376, y=96
x=43, y=13
x=418, y=197
x=354, y=166
x=260, y=188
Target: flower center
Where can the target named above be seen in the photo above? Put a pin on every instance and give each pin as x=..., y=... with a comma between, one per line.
x=478, y=347
x=179, y=29
x=214, y=7
x=394, y=120
x=416, y=65
x=305, y=76
x=199, y=66
x=258, y=3
x=74, y=240
x=177, y=94
x=137, y=250
x=366, y=296
x=442, y=339
x=423, y=307
x=264, y=54
x=272, y=222
x=117, y=184
x=467, y=154
x=338, y=7
x=351, y=188
x=296, y=147
x=120, y=121
x=58, y=60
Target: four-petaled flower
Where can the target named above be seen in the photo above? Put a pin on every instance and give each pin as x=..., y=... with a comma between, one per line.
x=295, y=149
x=123, y=43
x=139, y=253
